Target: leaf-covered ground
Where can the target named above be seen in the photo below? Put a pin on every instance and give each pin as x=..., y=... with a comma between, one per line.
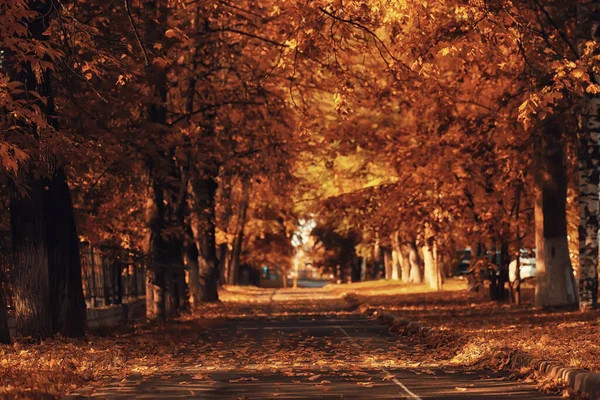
x=58, y=366
x=470, y=331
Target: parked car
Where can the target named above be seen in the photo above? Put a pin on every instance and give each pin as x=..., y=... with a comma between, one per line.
x=527, y=261
x=463, y=267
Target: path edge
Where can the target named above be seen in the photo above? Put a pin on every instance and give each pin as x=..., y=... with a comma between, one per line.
x=583, y=383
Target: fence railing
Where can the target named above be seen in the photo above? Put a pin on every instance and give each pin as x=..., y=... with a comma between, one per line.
x=5, y=286
x=109, y=275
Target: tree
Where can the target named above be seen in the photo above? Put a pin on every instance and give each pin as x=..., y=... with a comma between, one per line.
x=555, y=283
x=589, y=174
x=47, y=269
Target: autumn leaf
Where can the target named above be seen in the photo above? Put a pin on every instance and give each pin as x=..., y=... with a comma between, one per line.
x=365, y=384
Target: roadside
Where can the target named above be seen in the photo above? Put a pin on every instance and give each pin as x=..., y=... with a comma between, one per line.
x=470, y=331
x=57, y=366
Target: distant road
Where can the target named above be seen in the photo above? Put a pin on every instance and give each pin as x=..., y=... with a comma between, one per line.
x=309, y=283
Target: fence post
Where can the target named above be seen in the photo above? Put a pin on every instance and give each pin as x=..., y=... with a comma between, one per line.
x=118, y=293
x=106, y=279
x=93, y=276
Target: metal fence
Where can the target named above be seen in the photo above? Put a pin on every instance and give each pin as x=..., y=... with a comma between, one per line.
x=5, y=286
x=109, y=275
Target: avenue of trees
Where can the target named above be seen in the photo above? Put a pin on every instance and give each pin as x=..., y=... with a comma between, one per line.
x=200, y=132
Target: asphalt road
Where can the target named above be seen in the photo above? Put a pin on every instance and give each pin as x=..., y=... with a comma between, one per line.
x=323, y=357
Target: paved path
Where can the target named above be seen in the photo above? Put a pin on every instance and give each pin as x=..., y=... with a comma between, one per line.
x=335, y=356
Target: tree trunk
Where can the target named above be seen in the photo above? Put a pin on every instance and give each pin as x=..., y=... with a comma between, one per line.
x=589, y=190
x=428, y=268
x=555, y=283
x=156, y=279
x=156, y=15
x=355, y=263
x=31, y=282
x=405, y=263
x=431, y=270
x=236, y=252
x=515, y=286
x=204, y=190
x=48, y=280
x=191, y=262
x=438, y=270
x=387, y=263
x=415, y=275
x=396, y=266
x=396, y=257
x=363, y=269
x=223, y=252
x=4, y=331
x=588, y=15
x=64, y=263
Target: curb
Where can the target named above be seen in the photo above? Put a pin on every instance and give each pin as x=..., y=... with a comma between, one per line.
x=396, y=324
x=584, y=383
x=581, y=381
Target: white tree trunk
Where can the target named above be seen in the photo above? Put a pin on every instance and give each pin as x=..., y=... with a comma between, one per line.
x=428, y=267
x=415, y=275
x=555, y=283
x=387, y=263
x=405, y=264
x=431, y=269
x=589, y=173
x=396, y=257
x=438, y=270
x=396, y=260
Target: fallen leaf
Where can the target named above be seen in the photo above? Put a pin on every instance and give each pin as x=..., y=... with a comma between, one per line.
x=389, y=377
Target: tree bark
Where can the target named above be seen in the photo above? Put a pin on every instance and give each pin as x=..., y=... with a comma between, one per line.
x=363, y=269
x=555, y=282
x=405, y=263
x=428, y=267
x=175, y=277
x=396, y=264
x=191, y=262
x=415, y=275
x=223, y=252
x=431, y=267
x=387, y=263
x=204, y=189
x=64, y=263
x=4, y=331
x=155, y=272
x=48, y=279
x=589, y=172
x=31, y=282
x=236, y=252
x=396, y=257
x=438, y=270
